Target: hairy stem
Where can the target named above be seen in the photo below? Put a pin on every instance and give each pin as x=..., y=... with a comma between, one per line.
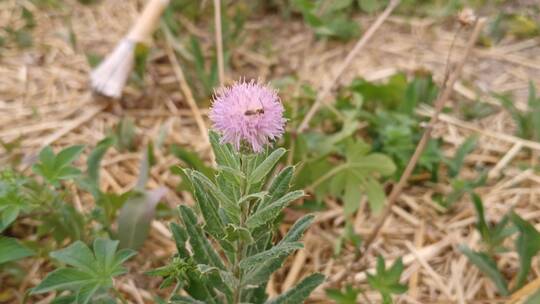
x=240, y=246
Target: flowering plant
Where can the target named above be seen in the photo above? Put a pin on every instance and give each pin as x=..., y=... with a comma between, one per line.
x=228, y=257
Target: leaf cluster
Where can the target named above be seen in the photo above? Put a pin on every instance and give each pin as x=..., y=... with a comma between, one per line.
x=231, y=255
x=526, y=244
x=91, y=274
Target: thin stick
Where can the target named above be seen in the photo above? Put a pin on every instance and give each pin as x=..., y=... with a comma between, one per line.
x=185, y=87
x=346, y=63
x=219, y=41
x=439, y=105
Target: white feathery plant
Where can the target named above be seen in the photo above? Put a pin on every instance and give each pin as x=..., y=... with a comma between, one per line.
x=110, y=76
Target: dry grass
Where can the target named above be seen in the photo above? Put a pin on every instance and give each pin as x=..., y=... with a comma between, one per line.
x=45, y=99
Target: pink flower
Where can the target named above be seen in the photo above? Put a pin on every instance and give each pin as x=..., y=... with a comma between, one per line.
x=248, y=112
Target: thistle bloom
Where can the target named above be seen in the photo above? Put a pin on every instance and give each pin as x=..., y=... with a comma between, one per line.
x=248, y=112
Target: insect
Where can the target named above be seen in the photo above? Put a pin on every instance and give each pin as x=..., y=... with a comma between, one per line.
x=256, y=111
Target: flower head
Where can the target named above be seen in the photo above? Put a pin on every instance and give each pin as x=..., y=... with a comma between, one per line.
x=248, y=112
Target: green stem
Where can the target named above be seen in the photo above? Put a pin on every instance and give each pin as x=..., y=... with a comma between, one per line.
x=240, y=246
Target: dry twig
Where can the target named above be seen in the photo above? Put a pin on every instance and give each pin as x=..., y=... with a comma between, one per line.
x=439, y=105
x=219, y=41
x=185, y=87
x=346, y=63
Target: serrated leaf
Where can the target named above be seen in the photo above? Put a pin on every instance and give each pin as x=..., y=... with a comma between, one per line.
x=486, y=266
x=12, y=250
x=136, y=216
x=270, y=212
x=300, y=292
x=266, y=166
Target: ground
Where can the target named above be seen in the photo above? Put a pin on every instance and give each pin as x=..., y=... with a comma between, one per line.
x=45, y=99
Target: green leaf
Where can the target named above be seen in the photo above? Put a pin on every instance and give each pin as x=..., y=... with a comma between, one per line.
x=136, y=216
x=223, y=152
x=300, y=292
x=94, y=160
x=67, y=156
x=370, y=6
x=203, y=252
x=12, y=250
x=57, y=167
x=353, y=193
x=261, y=273
x=253, y=198
x=348, y=296
x=481, y=224
x=534, y=299
x=486, y=266
x=270, y=212
x=297, y=230
x=8, y=216
x=280, y=250
x=464, y=149
x=231, y=208
x=375, y=194
x=77, y=255
x=266, y=166
x=192, y=160
x=92, y=272
x=527, y=245
x=209, y=209
x=387, y=281
x=64, y=278
x=124, y=135
x=279, y=186
x=235, y=233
